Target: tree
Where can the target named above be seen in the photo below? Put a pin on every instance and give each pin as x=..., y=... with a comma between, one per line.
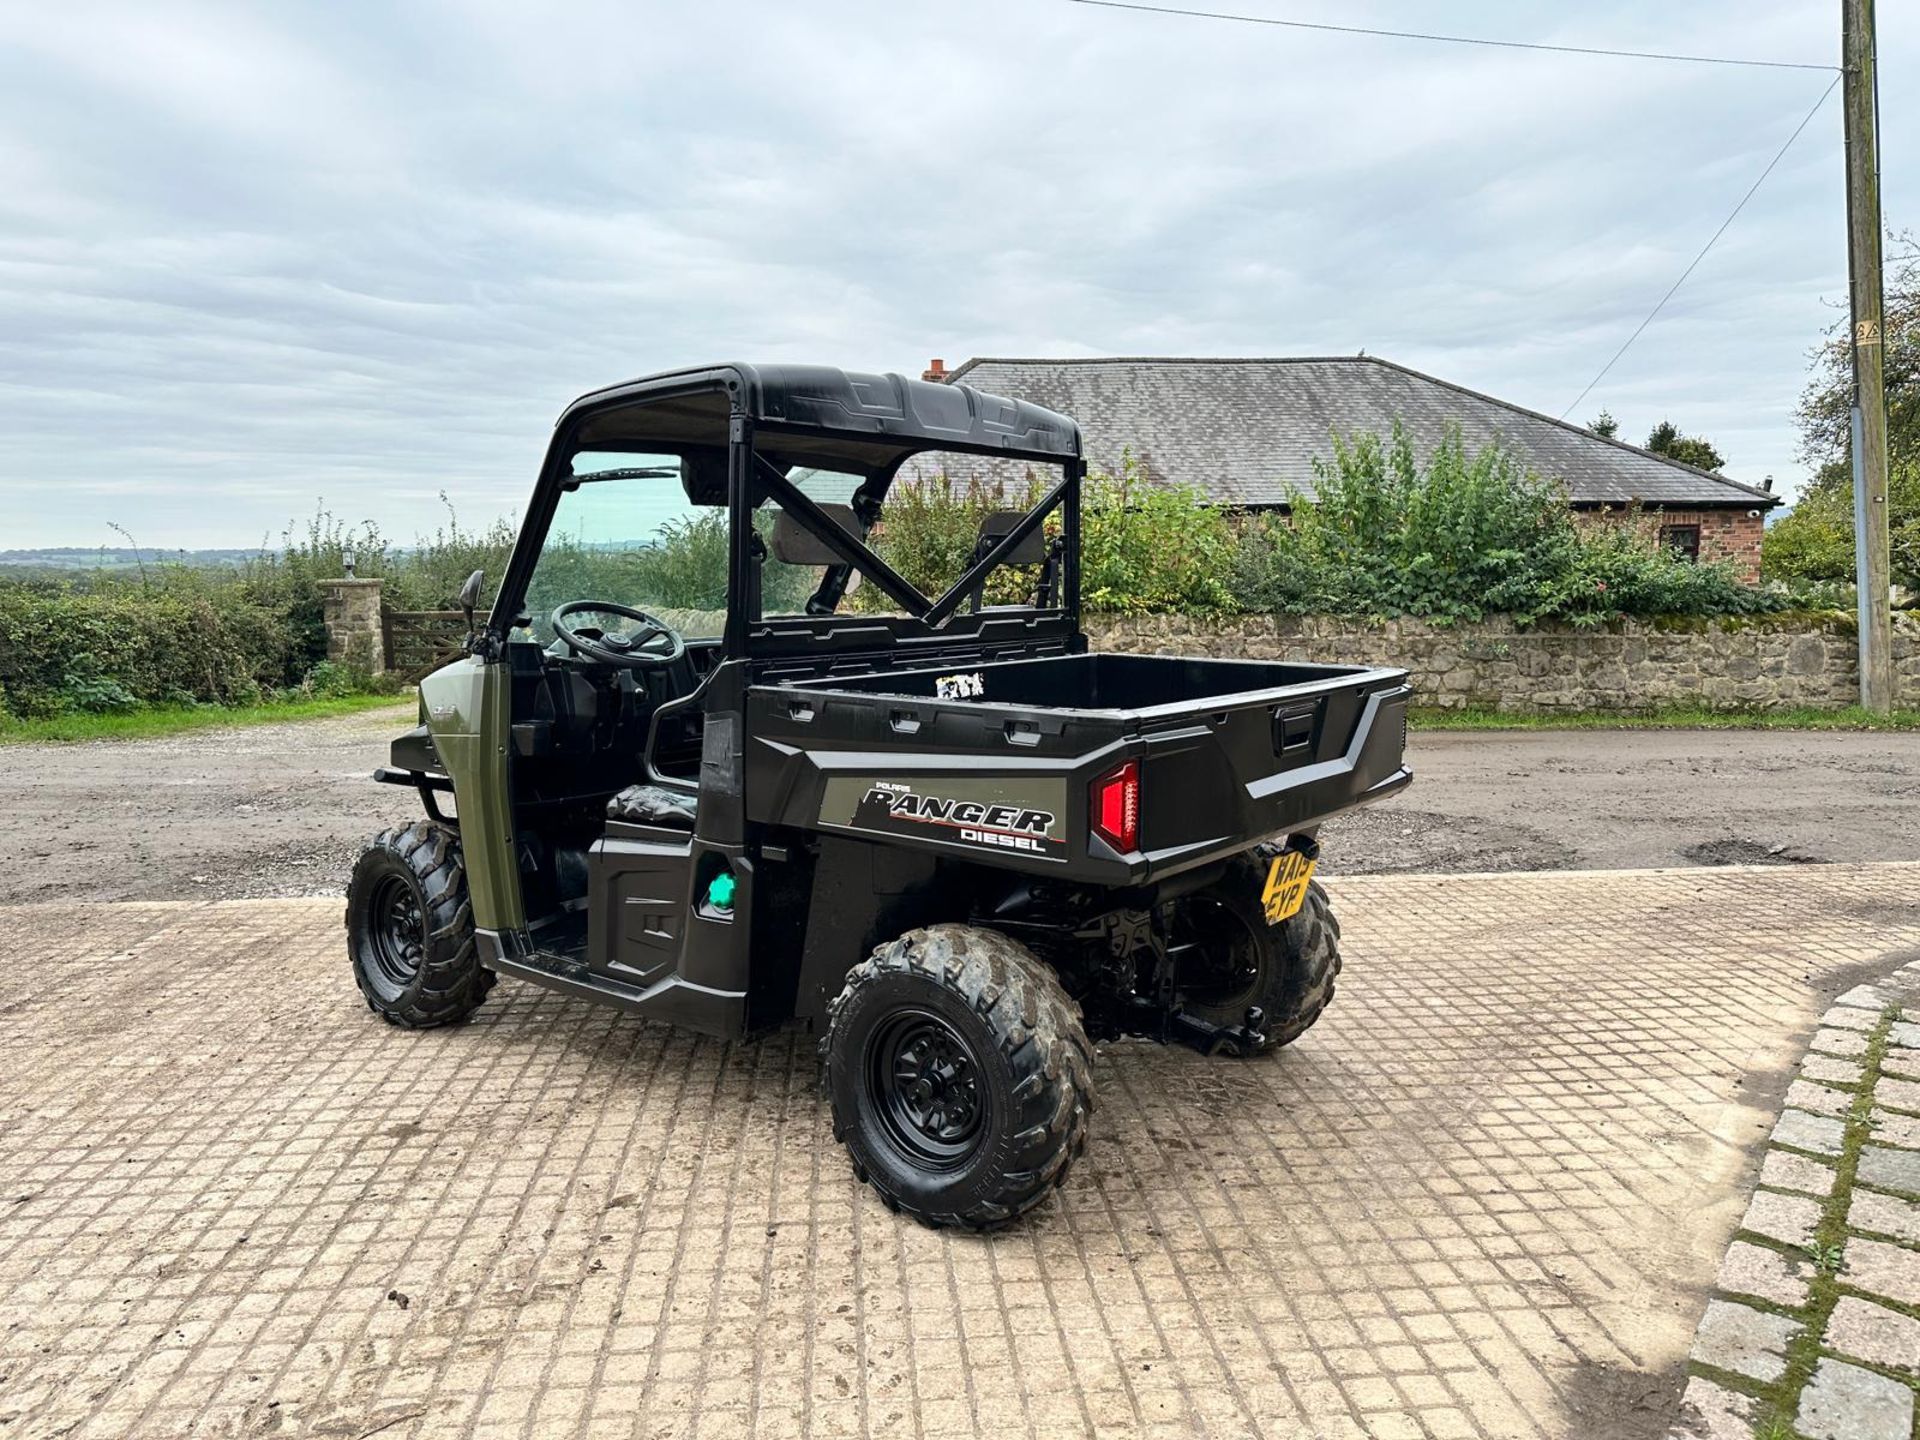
x=1826, y=407
x=1814, y=541
x=1694, y=450
x=1605, y=426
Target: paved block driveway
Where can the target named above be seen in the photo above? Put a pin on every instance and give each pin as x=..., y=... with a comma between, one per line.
x=1484, y=1198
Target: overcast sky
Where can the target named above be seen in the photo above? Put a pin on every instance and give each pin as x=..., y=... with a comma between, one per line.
x=256, y=257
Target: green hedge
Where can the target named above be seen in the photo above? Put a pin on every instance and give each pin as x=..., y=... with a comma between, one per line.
x=1451, y=536
x=1455, y=535
x=63, y=649
x=1458, y=536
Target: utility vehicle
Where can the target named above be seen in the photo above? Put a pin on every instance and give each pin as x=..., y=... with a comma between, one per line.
x=711, y=758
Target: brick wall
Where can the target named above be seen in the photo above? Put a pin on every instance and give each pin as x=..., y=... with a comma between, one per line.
x=1725, y=534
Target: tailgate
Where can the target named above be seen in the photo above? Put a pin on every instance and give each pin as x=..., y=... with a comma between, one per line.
x=1220, y=775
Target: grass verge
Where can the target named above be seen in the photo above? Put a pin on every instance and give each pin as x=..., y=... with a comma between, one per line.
x=1678, y=717
x=151, y=724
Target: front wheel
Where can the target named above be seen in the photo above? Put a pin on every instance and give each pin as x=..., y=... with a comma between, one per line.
x=1241, y=961
x=410, y=929
x=959, y=1075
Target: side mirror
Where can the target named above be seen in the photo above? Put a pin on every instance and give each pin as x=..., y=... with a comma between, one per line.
x=470, y=596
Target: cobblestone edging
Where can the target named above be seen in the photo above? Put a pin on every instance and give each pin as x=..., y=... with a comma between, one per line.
x=1813, y=1331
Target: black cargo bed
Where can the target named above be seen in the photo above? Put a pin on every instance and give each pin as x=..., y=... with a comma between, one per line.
x=1105, y=681
x=1231, y=751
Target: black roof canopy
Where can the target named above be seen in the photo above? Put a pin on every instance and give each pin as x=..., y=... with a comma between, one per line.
x=820, y=417
x=818, y=412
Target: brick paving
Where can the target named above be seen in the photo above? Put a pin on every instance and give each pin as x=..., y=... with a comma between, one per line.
x=1816, y=1329
x=1488, y=1196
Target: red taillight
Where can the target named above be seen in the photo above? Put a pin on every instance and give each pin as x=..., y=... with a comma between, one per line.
x=1114, y=808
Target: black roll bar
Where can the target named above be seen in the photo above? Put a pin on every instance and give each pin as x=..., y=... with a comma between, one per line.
x=1006, y=545
x=797, y=503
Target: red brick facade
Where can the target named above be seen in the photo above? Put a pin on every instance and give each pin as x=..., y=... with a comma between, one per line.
x=1725, y=534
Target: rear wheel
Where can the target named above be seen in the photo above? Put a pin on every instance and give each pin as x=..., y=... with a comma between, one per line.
x=1287, y=970
x=959, y=1074
x=410, y=929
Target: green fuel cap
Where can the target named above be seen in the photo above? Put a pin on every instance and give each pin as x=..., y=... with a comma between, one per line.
x=720, y=891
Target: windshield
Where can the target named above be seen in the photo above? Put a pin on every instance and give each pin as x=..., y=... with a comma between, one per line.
x=626, y=532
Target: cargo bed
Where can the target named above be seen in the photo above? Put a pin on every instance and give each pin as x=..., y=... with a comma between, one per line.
x=1228, y=753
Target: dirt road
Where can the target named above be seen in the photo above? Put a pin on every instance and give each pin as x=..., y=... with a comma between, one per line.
x=282, y=809
x=263, y=810
x=1621, y=799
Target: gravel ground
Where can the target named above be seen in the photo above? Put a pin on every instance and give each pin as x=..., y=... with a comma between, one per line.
x=243, y=813
x=1624, y=799
x=281, y=810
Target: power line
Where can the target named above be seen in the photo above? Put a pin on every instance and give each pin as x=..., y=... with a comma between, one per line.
x=1454, y=39
x=1833, y=70
x=1752, y=190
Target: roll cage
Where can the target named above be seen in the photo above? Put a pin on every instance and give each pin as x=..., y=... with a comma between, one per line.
x=741, y=430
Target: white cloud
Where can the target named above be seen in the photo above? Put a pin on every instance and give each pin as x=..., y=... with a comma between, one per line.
x=250, y=257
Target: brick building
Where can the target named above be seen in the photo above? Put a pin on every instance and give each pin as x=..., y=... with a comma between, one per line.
x=1246, y=432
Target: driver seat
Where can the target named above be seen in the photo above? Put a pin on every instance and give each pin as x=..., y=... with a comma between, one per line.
x=653, y=805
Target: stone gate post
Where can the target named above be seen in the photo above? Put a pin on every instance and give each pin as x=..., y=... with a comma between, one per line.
x=354, y=632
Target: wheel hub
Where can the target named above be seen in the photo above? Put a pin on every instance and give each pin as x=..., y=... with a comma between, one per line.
x=924, y=1082
x=398, y=931
x=1221, y=958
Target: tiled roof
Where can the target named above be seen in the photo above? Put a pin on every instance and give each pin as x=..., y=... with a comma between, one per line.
x=1247, y=431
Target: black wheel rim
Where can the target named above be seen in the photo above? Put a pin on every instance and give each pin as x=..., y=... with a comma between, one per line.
x=923, y=1082
x=396, y=931
x=1223, y=965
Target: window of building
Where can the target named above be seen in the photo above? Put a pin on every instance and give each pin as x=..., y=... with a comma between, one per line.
x=1683, y=540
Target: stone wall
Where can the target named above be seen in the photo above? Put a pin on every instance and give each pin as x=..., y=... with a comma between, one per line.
x=1762, y=662
x=351, y=609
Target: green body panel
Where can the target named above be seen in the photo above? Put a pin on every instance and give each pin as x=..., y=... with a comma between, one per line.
x=467, y=706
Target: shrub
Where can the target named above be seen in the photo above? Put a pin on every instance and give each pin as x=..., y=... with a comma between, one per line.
x=1147, y=547
x=1458, y=537
x=330, y=680
x=428, y=574
x=1384, y=534
x=1144, y=547
x=113, y=647
x=686, y=566
x=928, y=530
x=1614, y=571
x=84, y=687
x=1814, y=540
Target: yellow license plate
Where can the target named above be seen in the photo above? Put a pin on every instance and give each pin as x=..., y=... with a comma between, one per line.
x=1286, y=888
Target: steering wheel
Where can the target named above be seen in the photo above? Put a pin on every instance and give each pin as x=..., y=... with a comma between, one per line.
x=633, y=651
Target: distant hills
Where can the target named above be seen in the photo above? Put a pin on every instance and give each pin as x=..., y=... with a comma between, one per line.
x=103, y=557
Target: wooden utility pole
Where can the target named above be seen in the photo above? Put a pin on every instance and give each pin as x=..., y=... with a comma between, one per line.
x=1872, y=572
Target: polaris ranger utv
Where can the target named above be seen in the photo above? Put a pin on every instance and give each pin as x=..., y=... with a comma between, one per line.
x=934, y=830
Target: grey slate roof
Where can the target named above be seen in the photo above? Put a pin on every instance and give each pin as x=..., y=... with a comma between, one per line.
x=1246, y=431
